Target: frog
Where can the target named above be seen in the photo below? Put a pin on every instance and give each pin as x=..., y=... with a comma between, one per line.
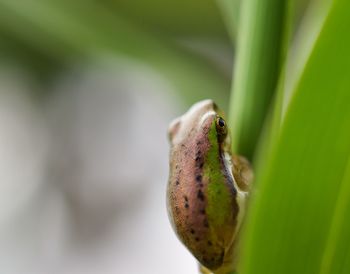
x=208, y=187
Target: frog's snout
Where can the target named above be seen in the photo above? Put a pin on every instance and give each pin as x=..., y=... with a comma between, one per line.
x=173, y=128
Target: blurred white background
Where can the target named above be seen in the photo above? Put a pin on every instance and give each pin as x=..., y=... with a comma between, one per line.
x=83, y=173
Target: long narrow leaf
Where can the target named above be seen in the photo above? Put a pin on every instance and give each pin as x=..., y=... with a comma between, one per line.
x=255, y=75
x=290, y=229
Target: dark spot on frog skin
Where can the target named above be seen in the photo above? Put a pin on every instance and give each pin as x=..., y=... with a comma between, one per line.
x=192, y=231
x=205, y=260
x=177, y=182
x=202, y=211
x=199, y=178
x=213, y=262
x=197, y=239
x=200, y=185
x=177, y=166
x=205, y=223
x=186, y=199
x=187, y=205
x=210, y=243
x=199, y=143
x=222, y=254
x=200, y=195
x=200, y=163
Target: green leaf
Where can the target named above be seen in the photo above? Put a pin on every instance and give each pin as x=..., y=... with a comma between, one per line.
x=230, y=13
x=303, y=44
x=181, y=17
x=258, y=61
x=336, y=257
x=299, y=218
x=65, y=29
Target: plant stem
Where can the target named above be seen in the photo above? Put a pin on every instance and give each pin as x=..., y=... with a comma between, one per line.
x=271, y=127
x=258, y=62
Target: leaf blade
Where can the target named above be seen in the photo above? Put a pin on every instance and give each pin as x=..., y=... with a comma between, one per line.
x=292, y=213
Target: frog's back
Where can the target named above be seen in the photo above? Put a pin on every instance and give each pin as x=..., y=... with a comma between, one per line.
x=188, y=201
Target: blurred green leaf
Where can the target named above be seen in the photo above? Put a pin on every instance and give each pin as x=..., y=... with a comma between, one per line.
x=180, y=18
x=298, y=220
x=66, y=29
x=230, y=12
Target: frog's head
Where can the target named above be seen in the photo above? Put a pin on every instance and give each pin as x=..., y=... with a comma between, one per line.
x=196, y=122
x=202, y=192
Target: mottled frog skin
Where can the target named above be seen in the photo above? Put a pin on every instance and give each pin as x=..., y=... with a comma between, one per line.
x=207, y=188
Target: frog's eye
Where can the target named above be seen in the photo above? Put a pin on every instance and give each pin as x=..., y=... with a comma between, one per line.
x=221, y=127
x=221, y=122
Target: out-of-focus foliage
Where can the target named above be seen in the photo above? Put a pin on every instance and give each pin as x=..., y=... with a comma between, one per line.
x=173, y=17
x=230, y=11
x=46, y=35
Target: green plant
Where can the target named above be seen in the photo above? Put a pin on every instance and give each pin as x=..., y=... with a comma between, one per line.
x=56, y=31
x=299, y=216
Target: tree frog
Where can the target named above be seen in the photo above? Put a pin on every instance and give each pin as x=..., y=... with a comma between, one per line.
x=208, y=187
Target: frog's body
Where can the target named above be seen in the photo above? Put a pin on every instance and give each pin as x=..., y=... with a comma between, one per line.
x=205, y=201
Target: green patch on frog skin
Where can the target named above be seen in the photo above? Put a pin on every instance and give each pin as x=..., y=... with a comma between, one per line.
x=219, y=199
